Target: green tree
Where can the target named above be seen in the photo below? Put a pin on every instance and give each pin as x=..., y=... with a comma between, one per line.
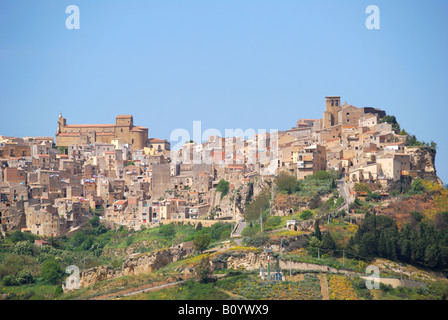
x=204, y=270
x=328, y=242
x=51, y=271
x=223, y=187
x=199, y=226
x=432, y=256
x=313, y=246
x=286, y=183
x=322, y=175
x=10, y=280
x=23, y=247
x=260, y=203
x=24, y=277
x=388, y=243
x=95, y=221
x=317, y=232
x=417, y=185
x=201, y=241
x=368, y=245
x=306, y=214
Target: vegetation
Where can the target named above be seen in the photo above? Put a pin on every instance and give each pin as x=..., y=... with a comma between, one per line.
x=223, y=187
x=204, y=270
x=418, y=243
x=201, y=241
x=286, y=183
x=393, y=121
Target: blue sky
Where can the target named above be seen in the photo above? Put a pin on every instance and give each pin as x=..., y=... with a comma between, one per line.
x=230, y=64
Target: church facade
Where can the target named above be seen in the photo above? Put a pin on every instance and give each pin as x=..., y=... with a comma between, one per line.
x=122, y=131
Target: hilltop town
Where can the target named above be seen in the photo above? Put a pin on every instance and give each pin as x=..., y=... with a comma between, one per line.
x=297, y=214
x=50, y=187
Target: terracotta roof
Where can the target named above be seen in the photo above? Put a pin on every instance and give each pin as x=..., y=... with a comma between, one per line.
x=89, y=126
x=124, y=116
x=120, y=202
x=156, y=140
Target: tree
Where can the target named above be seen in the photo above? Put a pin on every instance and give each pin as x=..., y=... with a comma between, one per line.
x=306, y=214
x=432, y=256
x=23, y=247
x=328, y=242
x=51, y=271
x=417, y=185
x=199, y=226
x=368, y=245
x=24, y=277
x=361, y=187
x=95, y=221
x=388, y=243
x=260, y=203
x=286, y=183
x=204, y=270
x=201, y=241
x=223, y=187
x=313, y=246
x=322, y=175
x=317, y=232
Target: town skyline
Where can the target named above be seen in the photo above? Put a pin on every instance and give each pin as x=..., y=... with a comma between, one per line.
x=256, y=65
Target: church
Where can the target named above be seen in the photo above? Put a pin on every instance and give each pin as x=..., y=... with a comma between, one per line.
x=122, y=131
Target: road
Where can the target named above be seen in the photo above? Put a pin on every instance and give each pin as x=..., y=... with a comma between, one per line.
x=237, y=233
x=126, y=294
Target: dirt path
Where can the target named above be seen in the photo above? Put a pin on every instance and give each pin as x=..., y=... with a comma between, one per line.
x=134, y=291
x=324, y=286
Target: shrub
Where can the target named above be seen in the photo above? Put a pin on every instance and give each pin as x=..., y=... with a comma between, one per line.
x=24, y=277
x=305, y=215
x=286, y=183
x=51, y=271
x=10, y=281
x=23, y=247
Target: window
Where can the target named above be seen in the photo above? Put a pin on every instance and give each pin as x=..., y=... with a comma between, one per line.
x=337, y=103
x=132, y=140
x=332, y=103
x=121, y=130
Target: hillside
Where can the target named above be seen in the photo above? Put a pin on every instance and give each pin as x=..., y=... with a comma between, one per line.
x=323, y=256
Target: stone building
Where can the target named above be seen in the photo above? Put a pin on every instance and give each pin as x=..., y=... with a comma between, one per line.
x=122, y=131
x=310, y=160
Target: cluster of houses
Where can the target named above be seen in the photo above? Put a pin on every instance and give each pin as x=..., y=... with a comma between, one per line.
x=50, y=187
